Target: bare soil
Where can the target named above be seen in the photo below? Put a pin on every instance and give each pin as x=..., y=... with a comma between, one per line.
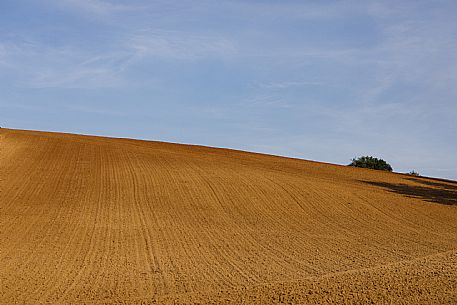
x=93, y=220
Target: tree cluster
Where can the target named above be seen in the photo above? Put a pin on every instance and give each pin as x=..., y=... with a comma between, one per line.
x=371, y=162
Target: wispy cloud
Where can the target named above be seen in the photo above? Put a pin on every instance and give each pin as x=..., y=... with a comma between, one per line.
x=180, y=45
x=41, y=65
x=91, y=109
x=99, y=7
x=37, y=65
x=289, y=84
x=265, y=101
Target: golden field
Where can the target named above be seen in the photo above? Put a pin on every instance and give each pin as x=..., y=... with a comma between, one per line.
x=93, y=220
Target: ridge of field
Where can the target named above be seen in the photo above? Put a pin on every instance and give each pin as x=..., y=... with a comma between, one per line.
x=88, y=219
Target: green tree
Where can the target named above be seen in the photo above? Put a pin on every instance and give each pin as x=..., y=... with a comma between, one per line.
x=371, y=162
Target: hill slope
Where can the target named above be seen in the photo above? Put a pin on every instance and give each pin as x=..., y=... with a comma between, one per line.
x=99, y=220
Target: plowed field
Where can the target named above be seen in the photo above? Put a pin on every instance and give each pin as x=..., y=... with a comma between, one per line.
x=97, y=220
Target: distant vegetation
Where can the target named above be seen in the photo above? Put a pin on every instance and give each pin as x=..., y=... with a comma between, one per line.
x=414, y=173
x=371, y=162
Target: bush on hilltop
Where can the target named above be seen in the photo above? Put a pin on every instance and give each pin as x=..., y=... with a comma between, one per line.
x=371, y=162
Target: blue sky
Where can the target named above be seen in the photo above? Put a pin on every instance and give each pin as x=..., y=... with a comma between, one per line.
x=319, y=80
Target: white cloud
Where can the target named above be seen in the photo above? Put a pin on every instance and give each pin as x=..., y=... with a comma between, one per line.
x=96, y=6
x=180, y=45
x=289, y=84
x=37, y=65
x=265, y=101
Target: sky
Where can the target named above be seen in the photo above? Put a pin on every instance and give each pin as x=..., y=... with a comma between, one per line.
x=318, y=80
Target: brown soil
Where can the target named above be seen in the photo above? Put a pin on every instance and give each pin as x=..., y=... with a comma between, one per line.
x=99, y=220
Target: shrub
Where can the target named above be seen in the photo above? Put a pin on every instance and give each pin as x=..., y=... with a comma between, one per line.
x=413, y=173
x=371, y=162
